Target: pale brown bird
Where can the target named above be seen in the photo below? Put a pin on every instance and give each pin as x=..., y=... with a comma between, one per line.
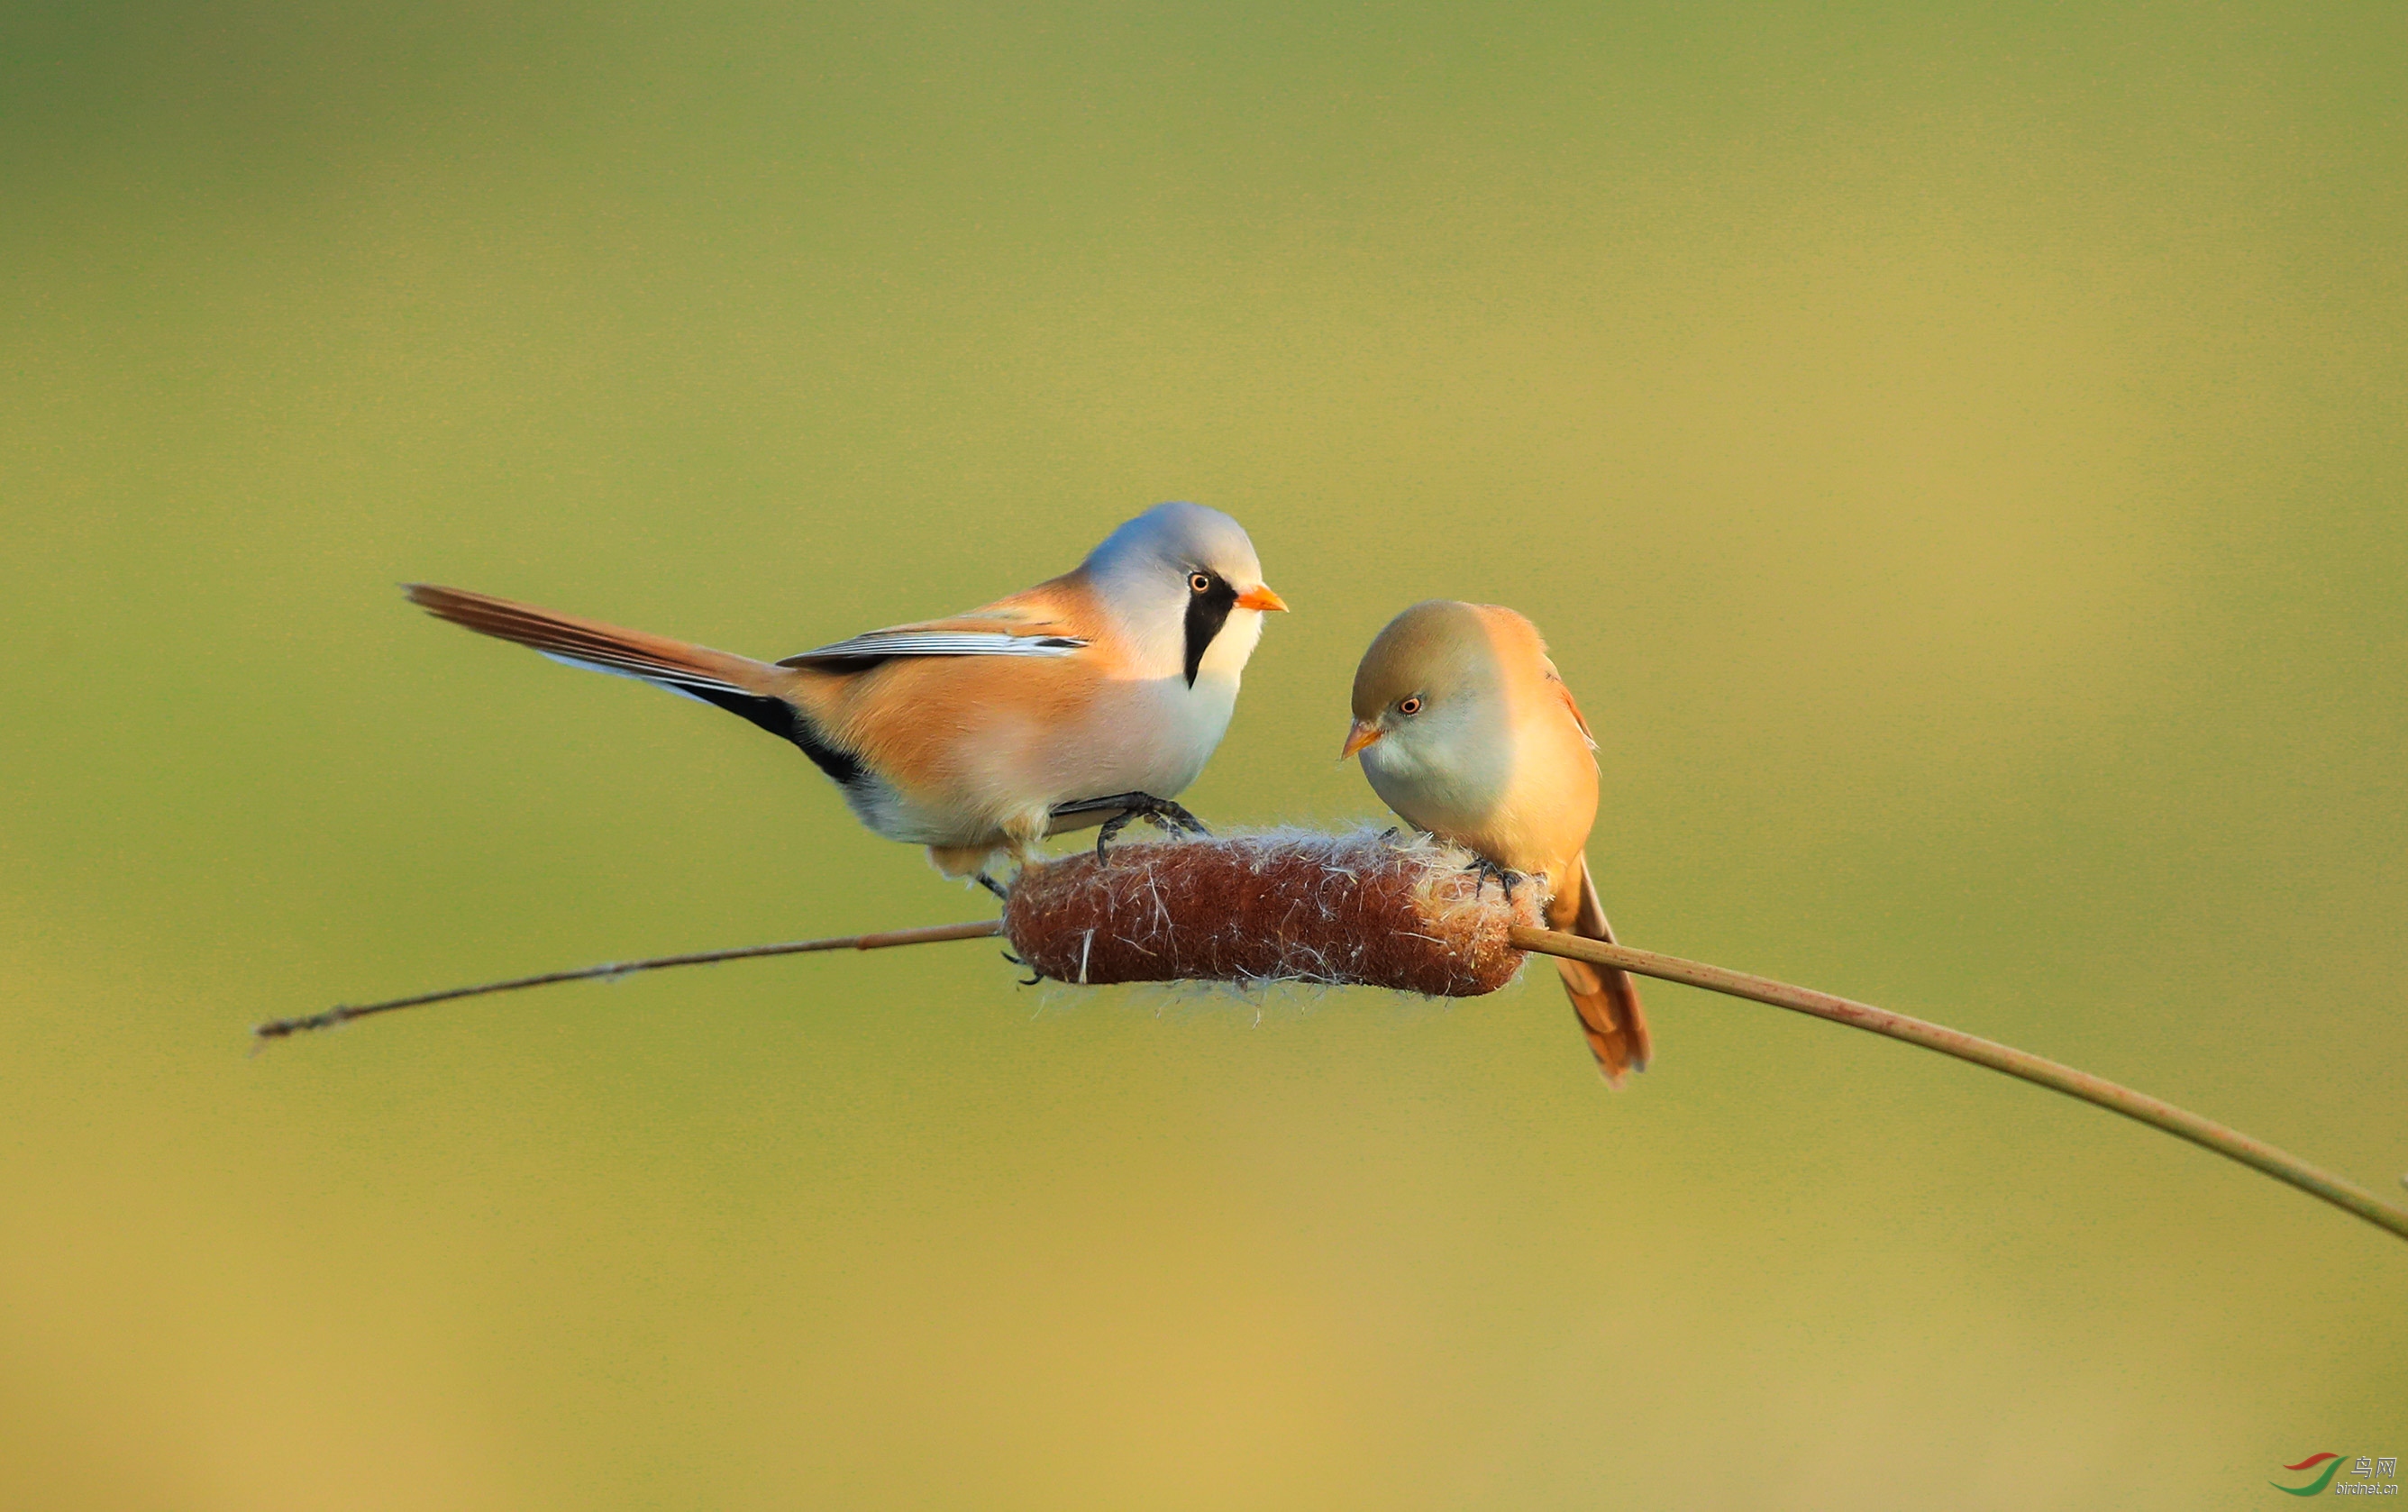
x=1466, y=729
x=1091, y=698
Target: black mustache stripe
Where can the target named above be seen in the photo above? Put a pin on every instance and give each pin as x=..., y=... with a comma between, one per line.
x=1207, y=612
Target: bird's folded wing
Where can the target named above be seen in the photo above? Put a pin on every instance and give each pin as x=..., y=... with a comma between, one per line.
x=1565, y=693
x=972, y=635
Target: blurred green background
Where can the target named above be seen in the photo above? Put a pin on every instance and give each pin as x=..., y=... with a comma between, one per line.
x=1956, y=450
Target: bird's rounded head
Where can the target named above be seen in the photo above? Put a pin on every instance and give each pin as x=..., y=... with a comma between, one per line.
x=1185, y=583
x=1430, y=671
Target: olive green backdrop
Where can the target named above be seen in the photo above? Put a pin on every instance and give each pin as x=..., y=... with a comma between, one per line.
x=1956, y=452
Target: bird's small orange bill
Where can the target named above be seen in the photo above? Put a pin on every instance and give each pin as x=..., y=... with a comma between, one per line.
x=1362, y=734
x=1261, y=598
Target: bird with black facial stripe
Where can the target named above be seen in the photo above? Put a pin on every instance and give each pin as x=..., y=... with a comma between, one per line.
x=1091, y=698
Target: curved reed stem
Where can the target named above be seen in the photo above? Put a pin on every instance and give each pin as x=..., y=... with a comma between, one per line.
x=2230, y=1143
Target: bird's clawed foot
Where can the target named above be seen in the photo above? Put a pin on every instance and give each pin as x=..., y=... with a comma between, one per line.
x=1033, y=976
x=1505, y=879
x=1161, y=813
x=994, y=887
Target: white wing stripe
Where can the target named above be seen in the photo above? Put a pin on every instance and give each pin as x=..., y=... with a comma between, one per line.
x=943, y=642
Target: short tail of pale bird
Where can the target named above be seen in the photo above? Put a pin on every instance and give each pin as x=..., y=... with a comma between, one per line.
x=1604, y=998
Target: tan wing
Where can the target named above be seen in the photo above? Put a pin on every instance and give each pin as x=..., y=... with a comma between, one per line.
x=1572, y=705
x=1030, y=623
x=1605, y=998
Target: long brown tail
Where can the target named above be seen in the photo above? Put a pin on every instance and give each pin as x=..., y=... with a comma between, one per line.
x=1604, y=998
x=769, y=696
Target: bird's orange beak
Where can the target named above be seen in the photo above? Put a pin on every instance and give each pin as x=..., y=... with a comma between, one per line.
x=1362, y=734
x=1261, y=598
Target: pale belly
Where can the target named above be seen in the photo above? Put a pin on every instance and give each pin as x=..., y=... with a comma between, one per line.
x=1527, y=815
x=1000, y=779
x=1153, y=736
x=1472, y=815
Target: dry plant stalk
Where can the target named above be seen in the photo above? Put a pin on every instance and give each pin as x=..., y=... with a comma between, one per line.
x=1376, y=910
x=344, y=1013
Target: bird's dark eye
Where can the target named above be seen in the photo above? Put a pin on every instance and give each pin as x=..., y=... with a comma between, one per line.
x=1411, y=705
x=1200, y=582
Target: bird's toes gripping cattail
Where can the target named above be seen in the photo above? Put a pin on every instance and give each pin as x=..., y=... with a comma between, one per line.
x=1360, y=909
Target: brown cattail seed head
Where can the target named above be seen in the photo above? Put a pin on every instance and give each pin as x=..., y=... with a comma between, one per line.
x=1363, y=910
